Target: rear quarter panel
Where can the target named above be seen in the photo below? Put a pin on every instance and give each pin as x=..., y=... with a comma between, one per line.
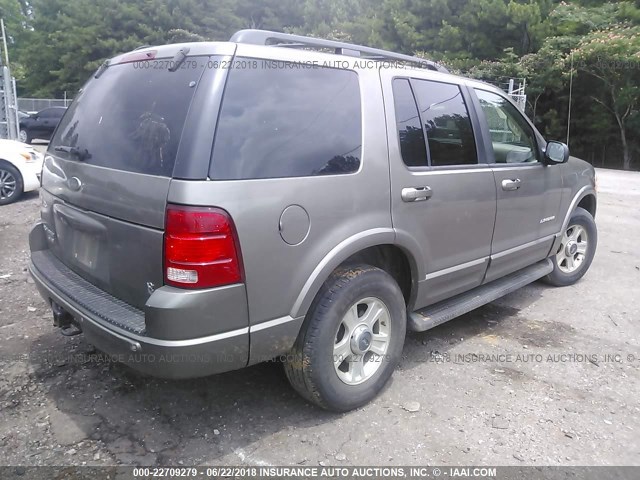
x=345, y=211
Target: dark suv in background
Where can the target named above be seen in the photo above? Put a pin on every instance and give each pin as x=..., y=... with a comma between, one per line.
x=209, y=206
x=40, y=125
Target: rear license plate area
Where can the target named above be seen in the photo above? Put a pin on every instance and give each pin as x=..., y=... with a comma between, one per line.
x=82, y=243
x=85, y=249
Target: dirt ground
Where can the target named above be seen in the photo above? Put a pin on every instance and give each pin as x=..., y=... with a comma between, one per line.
x=543, y=376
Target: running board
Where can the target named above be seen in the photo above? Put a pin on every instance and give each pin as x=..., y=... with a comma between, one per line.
x=446, y=310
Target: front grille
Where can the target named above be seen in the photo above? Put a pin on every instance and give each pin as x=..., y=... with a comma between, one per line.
x=86, y=295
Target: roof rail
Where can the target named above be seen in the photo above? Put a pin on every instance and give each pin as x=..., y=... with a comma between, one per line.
x=265, y=37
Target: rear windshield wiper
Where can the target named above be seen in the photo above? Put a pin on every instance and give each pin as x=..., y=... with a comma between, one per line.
x=75, y=151
x=178, y=59
x=101, y=69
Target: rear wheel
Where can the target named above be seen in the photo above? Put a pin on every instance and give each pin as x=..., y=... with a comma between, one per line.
x=10, y=183
x=576, y=251
x=24, y=136
x=351, y=340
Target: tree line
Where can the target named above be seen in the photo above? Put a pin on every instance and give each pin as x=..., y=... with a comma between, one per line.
x=587, y=48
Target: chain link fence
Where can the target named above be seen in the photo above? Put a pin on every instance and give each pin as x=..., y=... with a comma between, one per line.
x=37, y=104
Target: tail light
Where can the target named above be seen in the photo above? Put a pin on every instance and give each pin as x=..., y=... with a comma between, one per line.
x=201, y=248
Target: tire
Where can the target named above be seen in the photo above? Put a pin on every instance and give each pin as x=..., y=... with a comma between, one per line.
x=569, y=267
x=24, y=136
x=11, y=185
x=322, y=366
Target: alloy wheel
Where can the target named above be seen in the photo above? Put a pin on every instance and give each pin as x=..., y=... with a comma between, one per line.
x=573, y=249
x=362, y=341
x=7, y=184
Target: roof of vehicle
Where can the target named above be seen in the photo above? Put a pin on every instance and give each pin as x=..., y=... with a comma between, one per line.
x=281, y=40
x=268, y=38
x=262, y=41
x=55, y=109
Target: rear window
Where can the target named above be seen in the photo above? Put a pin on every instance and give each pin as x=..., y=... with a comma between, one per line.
x=130, y=118
x=52, y=112
x=283, y=120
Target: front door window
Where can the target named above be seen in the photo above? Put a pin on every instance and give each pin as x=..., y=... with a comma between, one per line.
x=512, y=137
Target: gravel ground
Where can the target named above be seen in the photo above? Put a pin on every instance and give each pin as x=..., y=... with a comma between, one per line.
x=564, y=392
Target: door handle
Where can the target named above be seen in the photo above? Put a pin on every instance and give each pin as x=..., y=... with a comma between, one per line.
x=511, y=184
x=416, y=194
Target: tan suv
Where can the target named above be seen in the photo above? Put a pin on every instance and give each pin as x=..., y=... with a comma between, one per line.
x=209, y=206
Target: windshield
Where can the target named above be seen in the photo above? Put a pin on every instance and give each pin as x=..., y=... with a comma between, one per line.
x=129, y=118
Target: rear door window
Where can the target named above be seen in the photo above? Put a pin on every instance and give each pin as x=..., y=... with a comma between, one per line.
x=287, y=121
x=446, y=123
x=410, y=133
x=129, y=118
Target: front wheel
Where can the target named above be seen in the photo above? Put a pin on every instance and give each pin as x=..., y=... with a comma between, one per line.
x=10, y=183
x=576, y=251
x=351, y=339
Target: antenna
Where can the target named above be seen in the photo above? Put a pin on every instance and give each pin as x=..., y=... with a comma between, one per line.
x=570, y=93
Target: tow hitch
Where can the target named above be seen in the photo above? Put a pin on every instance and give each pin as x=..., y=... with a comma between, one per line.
x=64, y=320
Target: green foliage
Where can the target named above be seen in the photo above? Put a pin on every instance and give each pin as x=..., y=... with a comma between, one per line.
x=55, y=45
x=468, y=28
x=598, y=47
x=612, y=56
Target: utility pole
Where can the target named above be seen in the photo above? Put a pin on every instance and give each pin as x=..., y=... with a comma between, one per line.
x=9, y=122
x=4, y=43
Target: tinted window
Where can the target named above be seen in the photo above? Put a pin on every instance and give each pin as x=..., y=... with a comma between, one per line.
x=412, y=146
x=447, y=124
x=288, y=122
x=130, y=118
x=512, y=137
x=52, y=112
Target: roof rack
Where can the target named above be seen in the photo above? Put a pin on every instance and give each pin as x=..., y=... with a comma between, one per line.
x=265, y=37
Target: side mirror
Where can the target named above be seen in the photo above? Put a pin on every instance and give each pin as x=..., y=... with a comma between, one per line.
x=556, y=152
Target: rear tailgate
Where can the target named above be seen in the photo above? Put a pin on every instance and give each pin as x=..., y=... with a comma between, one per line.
x=108, y=169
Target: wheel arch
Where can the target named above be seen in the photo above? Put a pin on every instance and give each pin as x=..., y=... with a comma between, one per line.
x=378, y=247
x=589, y=203
x=585, y=196
x=393, y=260
x=13, y=165
x=3, y=161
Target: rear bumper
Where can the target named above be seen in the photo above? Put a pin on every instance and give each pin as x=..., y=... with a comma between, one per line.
x=119, y=329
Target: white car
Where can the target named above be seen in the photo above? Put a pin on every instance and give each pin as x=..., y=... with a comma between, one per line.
x=20, y=168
